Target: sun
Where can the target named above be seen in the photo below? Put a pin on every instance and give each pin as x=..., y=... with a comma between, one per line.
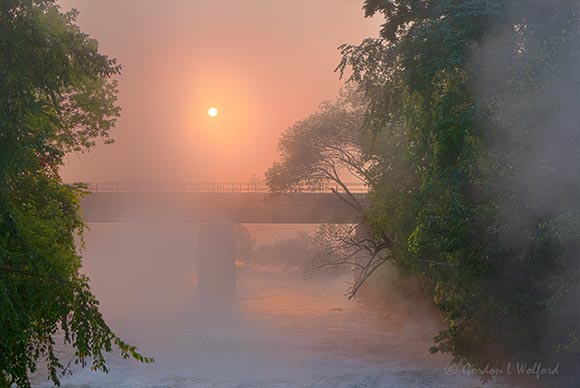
x=212, y=112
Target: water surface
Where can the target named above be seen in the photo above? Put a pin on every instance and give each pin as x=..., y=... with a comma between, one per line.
x=280, y=331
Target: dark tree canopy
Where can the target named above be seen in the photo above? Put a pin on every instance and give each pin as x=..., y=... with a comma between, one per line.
x=485, y=93
x=57, y=95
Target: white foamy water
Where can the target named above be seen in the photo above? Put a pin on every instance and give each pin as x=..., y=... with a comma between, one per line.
x=281, y=331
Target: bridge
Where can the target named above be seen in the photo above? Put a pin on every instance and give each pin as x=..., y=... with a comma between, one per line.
x=217, y=206
x=225, y=202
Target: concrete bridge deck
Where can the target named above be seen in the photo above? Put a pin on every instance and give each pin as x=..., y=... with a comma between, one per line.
x=218, y=207
x=116, y=203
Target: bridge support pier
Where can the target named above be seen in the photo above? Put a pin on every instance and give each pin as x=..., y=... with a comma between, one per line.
x=216, y=270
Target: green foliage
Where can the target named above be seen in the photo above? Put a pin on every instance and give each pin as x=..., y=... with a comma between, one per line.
x=477, y=191
x=326, y=148
x=333, y=146
x=57, y=95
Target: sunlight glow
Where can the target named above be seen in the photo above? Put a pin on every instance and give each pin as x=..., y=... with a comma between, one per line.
x=212, y=112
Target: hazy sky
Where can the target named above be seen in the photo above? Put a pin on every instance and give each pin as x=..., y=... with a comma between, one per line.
x=263, y=63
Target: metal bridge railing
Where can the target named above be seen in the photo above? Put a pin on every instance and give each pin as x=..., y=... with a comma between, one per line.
x=211, y=187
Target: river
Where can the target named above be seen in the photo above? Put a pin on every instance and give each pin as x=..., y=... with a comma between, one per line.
x=282, y=330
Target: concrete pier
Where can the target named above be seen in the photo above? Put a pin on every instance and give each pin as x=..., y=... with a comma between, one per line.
x=216, y=274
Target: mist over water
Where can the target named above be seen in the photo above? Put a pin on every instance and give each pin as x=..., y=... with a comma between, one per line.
x=280, y=330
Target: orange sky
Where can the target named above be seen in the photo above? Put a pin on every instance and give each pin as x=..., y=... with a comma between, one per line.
x=263, y=63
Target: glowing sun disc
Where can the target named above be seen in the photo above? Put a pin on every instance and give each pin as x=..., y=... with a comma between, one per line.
x=212, y=112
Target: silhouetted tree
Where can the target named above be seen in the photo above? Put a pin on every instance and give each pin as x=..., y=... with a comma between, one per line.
x=245, y=243
x=327, y=150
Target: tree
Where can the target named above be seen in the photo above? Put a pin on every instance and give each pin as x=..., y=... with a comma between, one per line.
x=57, y=95
x=485, y=92
x=245, y=243
x=326, y=150
x=286, y=254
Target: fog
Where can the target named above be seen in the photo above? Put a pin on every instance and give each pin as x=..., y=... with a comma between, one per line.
x=281, y=330
x=535, y=142
x=267, y=319
x=255, y=61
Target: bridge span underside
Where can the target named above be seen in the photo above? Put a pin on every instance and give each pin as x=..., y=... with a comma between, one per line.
x=239, y=208
x=218, y=212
